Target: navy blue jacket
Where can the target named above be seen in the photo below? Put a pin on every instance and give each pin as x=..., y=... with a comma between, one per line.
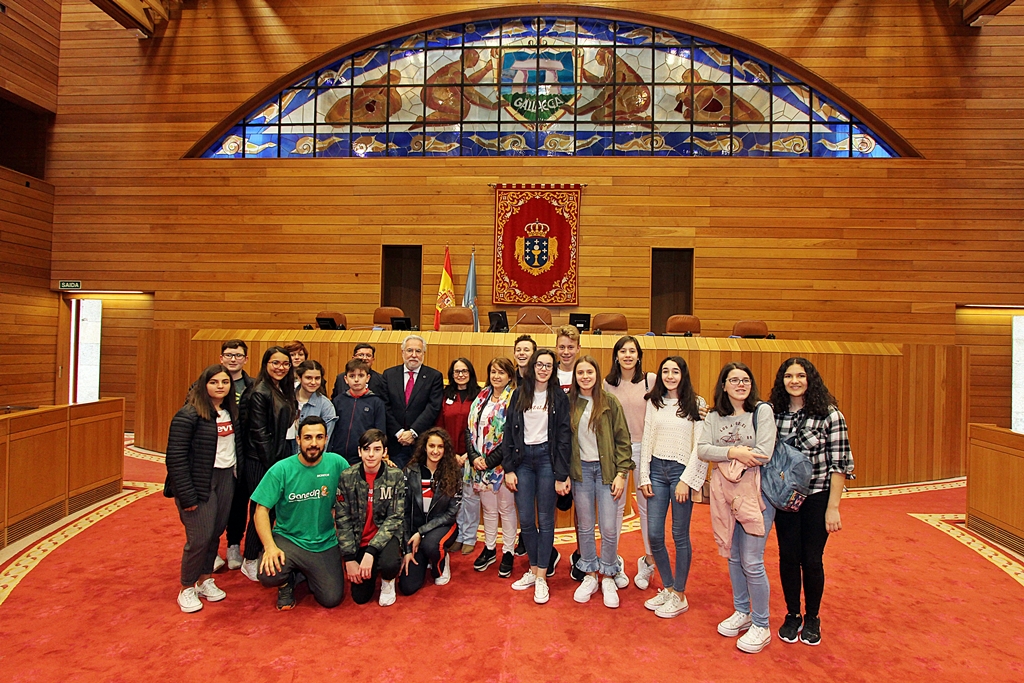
x=355, y=416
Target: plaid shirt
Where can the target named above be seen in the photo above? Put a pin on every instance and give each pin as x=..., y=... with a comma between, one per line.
x=824, y=440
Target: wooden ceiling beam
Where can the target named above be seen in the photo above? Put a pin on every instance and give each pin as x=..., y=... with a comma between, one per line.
x=979, y=12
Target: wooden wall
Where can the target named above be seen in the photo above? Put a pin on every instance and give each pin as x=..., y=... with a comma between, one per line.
x=29, y=50
x=995, y=485
x=822, y=249
x=28, y=309
x=988, y=333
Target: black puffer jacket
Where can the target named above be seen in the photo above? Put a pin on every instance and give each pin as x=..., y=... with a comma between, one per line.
x=443, y=509
x=265, y=417
x=191, y=453
x=512, y=449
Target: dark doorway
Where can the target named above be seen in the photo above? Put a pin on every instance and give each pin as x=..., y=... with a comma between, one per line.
x=671, y=285
x=400, y=272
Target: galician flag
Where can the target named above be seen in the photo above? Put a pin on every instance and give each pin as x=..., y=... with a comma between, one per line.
x=445, y=291
x=469, y=298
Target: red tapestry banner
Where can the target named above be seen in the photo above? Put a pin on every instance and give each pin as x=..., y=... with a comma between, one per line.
x=536, y=244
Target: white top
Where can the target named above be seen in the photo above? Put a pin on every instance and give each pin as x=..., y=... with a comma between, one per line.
x=565, y=380
x=670, y=437
x=535, y=420
x=225, y=441
x=587, y=439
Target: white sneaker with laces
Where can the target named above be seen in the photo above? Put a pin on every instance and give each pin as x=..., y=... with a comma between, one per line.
x=188, y=601
x=734, y=624
x=644, y=572
x=234, y=556
x=621, y=580
x=673, y=606
x=754, y=640
x=610, y=591
x=387, y=593
x=209, y=590
x=251, y=569
x=446, y=573
x=586, y=589
x=658, y=600
x=525, y=581
x=218, y=562
x=540, y=591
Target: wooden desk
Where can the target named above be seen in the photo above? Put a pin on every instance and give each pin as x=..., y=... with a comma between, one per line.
x=995, y=484
x=904, y=403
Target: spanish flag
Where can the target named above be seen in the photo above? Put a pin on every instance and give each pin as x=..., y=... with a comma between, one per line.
x=445, y=291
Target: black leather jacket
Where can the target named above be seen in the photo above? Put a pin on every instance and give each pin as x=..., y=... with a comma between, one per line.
x=443, y=510
x=513, y=443
x=265, y=417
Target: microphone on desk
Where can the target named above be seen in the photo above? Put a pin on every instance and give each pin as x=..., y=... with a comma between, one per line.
x=517, y=322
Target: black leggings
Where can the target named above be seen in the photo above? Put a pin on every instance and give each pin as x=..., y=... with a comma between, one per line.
x=433, y=548
x=387, y=565
x=802, y=536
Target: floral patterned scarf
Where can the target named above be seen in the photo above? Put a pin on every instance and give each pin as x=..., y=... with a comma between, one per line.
x=491, y=433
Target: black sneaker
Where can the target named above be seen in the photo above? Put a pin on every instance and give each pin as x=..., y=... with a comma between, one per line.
x=575, y=573
x=811, y=635
x=505, y=568
x=553, y=562
x=485, y=559
x=286, y=597
x=520, y=547
x=791, y=628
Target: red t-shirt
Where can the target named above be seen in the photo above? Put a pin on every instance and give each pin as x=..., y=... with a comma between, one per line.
x=454, y=417
x=369, y=529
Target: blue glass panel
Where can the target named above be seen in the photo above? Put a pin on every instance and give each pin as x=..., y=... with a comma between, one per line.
x=298, y=106
x=712, y=62
x=671, y=38
x=518, y=141
x=672, y=140
x=633, y=34
x=866, y=144
x=416, y=40
x=556, y=31
x=599, y=30
x=791, y=103
x=831, y=140
x=825, y=110
x=747, y=69
x=712, y=142
x=633, y=140
x=405, y=143
x=782, y=77
x=261, y=142
x=369, y=65
x=336, y=74
x=297, y=141
x=333, y=143
x=752, y=141
x=445, y=37
x=522, y=31
x=266, y=112
x=308, y=82
x=229, y=146
x=556, y=140
x=438, y=142
x=369, y=143
x=483, y=32
x=594, y=142
x=479, y=140
x=791, y=141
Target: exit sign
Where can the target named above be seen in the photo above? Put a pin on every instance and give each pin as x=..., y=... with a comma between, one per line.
x=70, y=284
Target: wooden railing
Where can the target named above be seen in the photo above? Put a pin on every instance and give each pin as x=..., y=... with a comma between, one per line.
x=995, y=485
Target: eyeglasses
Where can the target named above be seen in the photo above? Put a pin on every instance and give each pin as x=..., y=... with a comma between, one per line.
x=738, y=381
x=233, y=356
x=460, y=372
x=280, y=363
x=543, y=366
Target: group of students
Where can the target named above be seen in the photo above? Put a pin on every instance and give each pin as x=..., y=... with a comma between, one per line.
x=392, y=474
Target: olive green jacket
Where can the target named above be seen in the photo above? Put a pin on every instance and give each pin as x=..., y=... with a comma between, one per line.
x=614, y=448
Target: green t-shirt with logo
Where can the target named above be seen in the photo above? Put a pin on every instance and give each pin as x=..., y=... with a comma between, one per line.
x=303, y=498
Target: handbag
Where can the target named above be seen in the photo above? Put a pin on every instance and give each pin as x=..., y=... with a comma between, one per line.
x=786, y=478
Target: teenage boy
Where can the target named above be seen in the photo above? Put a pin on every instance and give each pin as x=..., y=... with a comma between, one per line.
x=567, y=346
x=370, y=517
x=358, y=409
x=302, y=490
x=234, y=354
x=366, y=353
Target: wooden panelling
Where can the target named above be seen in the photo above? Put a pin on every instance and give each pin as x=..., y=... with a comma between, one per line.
x=904, y=403
x=988, y=333
x=37, y=461
x=163, y=377
x=821, y=249
x=995, y=478
x=28, y=309
x=29, y=48
x=95, y=445
x=4, y=428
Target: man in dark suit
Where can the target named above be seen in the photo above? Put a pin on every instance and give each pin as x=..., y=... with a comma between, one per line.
x=413, y=394
x=364, y=352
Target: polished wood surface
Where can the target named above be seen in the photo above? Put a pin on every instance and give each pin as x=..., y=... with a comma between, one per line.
x=95, y=444
x=904, y=404
x=4, y=429
x=995, y=478
x=29, y=50
x=164, y=373
x=988, y=333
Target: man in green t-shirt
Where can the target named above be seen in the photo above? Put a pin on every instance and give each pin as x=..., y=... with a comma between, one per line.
x=302, y=490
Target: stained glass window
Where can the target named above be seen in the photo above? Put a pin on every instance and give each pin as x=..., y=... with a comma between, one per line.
x=549, y=86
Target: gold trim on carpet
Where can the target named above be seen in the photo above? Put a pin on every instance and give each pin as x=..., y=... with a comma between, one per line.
x=14, y=572
x=904, y=489
x=943, y=522
x=131, y=452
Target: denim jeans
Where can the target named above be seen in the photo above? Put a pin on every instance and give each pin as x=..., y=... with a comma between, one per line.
x=469, y=515
x=750, y=590
x=664, y=477
x=590, y=496
x=641, y=501
x=535, y=499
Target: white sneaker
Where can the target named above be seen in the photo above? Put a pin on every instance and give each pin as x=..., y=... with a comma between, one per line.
x=734, y=624
x=251, y=569
x=446, y=573
x=621, y=580
x=234, y=556
x=218, y=563
x=658, y=600
x=208, y=589
x=540, y=591
x=586, y=589
x=610, y=590
x=387, y=593
x=525, y=581
x=644, y=572
x=754, y=640
x=188, y=601
x=672, y=607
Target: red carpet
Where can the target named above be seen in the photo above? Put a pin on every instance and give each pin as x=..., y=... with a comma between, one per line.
x=903, y=601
